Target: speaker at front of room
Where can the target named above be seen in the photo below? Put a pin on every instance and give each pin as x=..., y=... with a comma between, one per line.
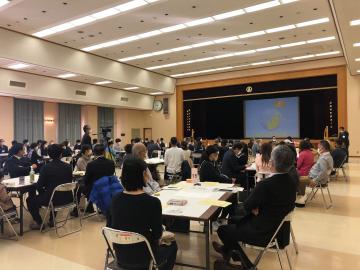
x=166, y=106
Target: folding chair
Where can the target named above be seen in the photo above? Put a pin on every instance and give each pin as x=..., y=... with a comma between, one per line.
x=336, y=172
x=113, y=236
x=67, y=187
x=196, y=157
x=8, y=216
x=320, y=187
x=274, y=243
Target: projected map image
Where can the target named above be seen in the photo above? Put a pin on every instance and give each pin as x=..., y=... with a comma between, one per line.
x=272, y=117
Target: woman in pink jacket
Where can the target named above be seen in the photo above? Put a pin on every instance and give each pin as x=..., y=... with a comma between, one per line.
x=306, y=159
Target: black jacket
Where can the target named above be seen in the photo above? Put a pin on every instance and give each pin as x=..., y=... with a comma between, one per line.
x=52, y=175
x=18, y=166
x=344, y=138
x=275, y=198
x=338, y=155
x=86, y=139
x=95, y=170
x=67, y=152
x=152, y=147
x=210, y=172
x=232, y=165
x=4, y=149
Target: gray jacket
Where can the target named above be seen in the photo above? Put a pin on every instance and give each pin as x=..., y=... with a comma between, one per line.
x=320, y=172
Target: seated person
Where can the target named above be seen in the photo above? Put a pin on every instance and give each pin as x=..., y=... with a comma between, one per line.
x=320, y=172
x=97, y=168
x=17, y=165
x=84, y=159
x=262, y=160
x=3, y=148
x=117, y=145
x=51, y=175
x=139, y=151
x=306, y=158
x=43, y=149
x=11, y=150
x=187, y=154
x=338, y=154
x=109, y=151
x=232, y=165
x=135, y=211
x=6, y=202
x=174, y=156
x=77, y=145
x=67, y=152
x=209, y=171
x=270, y=201
x=152, y=147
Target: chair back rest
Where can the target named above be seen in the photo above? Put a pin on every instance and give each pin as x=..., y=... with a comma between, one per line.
x=66, y=159
x=66, y=187
x=113, y=236
x=287, y=218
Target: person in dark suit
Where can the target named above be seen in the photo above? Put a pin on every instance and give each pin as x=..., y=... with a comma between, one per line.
x=344, y=140
x=52, y=175
x=86, y=139
x=67, y=152
x=338, y=154
x=17, y=165
x=152, y=146
x=97, y=168
x=234, y=162
x=3, y=148
x=271, y=200
x=11, y=150
x=209, y=171
x=77, y=145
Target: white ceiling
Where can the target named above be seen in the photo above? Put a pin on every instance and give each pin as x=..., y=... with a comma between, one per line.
x=31, y=16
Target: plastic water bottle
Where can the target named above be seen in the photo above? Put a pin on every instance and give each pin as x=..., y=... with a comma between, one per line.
x=32, y=175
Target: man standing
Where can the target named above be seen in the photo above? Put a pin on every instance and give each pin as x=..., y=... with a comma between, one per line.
x=86, y=139
x=344, y=140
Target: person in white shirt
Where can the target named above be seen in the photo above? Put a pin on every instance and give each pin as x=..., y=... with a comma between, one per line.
x=174, y=157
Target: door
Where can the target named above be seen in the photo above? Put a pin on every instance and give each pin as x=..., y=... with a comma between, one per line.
x=148, y=133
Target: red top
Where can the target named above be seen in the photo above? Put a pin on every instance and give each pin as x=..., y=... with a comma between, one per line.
x=305, y=162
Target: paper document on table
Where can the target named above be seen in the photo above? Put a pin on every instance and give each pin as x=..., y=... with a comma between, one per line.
x=215, y=202
x=210, y=184
x=172, y=187
x=194, y=194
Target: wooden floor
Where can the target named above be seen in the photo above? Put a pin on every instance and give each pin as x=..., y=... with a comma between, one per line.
x=327, y=239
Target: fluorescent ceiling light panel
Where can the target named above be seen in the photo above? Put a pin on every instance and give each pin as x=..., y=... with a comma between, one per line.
x=303, y=57
x=103, y=82
x=131, y=5
x=150, y=34
x=4, y=2
x=67, y=75
x=227, y=39
x=288, y=1
x=357, y=59
x=357, y=44
x=156, y=93
x=327, y=53
x=18, y=66
x=202, y=44
x=262, y=6
x=183, y=48
x=355, y=22
x=293, y=44
x=173, y=28
x=268, y=49
x=230, y=14
x=261, y=63
x=105, y=13
x=313, y=22
x=199, y=22
x=320, y=39
x=131, y=88
x=279, y=29
x=253, y=34
x=358, y=71
x=83, y=20
x=245, y=52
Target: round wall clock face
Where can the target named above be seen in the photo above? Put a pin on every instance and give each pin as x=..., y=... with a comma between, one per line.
x=158, y=105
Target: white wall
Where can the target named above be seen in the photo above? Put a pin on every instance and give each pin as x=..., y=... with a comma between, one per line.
x=353, y=102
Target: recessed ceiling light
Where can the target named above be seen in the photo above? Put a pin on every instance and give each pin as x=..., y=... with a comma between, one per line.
x=279, y=29
x=357, y=44
x=320, y=39
x=303, y=57
x=18, y=66
x=263, y=6
x=327, y=53
x=227, y=39
x=4, y=2
x=67, y=75
x=355, y=22
x=293, y=44
x=253, y=34
x=201, y=21
x=230, y=14
x=103, y=82
x=268, y=49
x=313, y=22
x=261, y=63
x=156, y=93
x=131, y=88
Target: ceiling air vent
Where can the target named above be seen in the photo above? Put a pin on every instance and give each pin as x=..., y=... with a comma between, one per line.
x=124, y=99
x=80, y=93
x=17, y=84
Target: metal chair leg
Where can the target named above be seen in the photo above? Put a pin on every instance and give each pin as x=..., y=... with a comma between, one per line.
x=44, y=219
x=294, y=240
x=343, y=171
x=278, y=253
x=327, y=188
x=288, y=258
